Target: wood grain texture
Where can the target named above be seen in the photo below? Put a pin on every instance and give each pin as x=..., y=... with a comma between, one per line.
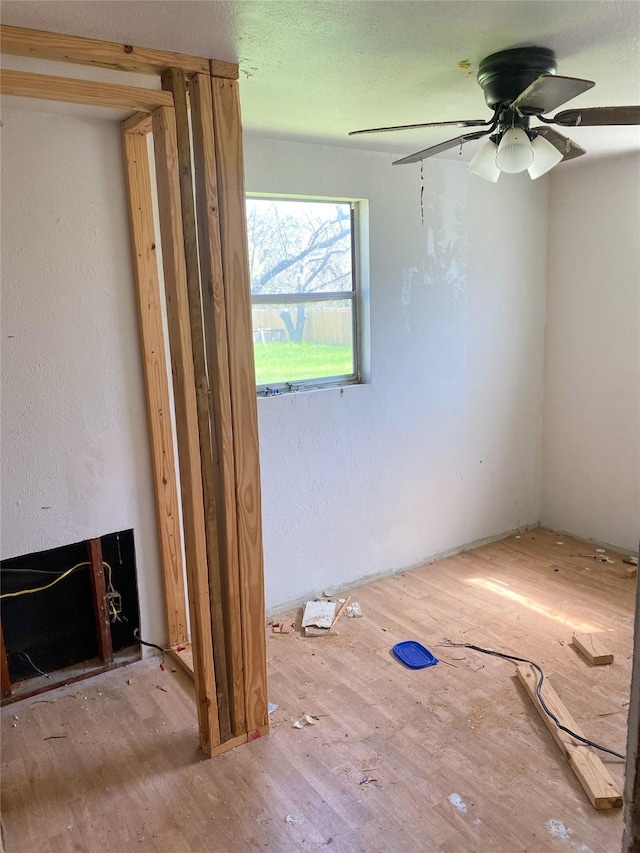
x=184, y=393
x=585, y=763
x=137, y=123
x=154, y=362
x=174, y=81
x=465, y=728
x=25, y=84
x=99, y=593
x=592, y=649
x=21, y=41
x=228, y=70
x=235, y=265
x=215, y=323
x=5, y=680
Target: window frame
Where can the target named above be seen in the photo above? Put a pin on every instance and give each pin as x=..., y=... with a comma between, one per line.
x=354, y=295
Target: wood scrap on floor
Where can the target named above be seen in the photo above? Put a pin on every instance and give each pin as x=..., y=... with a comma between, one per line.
x=592, y=649
x=591, y=772
x=320, y=617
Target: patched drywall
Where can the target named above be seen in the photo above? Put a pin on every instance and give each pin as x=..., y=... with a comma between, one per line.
x=441, y=447
x=75, y=457
x=591, y=470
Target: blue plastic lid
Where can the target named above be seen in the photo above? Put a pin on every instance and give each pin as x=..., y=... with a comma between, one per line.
x=414, y=655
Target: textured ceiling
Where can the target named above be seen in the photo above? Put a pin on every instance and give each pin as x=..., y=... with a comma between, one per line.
x=315, y=70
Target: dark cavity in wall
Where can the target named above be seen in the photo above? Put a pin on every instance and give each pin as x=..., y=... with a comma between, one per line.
x=55, y=628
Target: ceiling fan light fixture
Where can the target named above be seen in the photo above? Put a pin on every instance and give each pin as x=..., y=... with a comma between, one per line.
x=545, y=157
x=483, y=163
x=515, y=153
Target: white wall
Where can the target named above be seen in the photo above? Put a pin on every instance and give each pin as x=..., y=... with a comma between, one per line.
x=442, y=447
x=75, y=458
x=591, y=437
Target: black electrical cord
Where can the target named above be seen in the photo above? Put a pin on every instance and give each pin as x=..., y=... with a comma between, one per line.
x=545, y=708
x=136, y=634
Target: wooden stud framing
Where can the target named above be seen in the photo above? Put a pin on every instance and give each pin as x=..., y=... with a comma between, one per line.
x=156, y=383
x=235, y=264
x=20, y=41
x=5, y=680
x=184, y=392
x=591, y=772
x=24, y=84
x=215, y=323
x=99, y=591
x=175, y=81
x=206, y=282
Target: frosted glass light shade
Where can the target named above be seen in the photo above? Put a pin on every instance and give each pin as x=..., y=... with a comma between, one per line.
x=515, y=153
x=545, y=157
x=484, y=162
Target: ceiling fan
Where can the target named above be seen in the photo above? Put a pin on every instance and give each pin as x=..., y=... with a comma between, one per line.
x=519, y=85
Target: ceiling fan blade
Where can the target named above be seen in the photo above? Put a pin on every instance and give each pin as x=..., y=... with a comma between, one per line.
x=442, y=146
x=548, y=91
x=598, y=116
x=461, y=123
x=567, y=147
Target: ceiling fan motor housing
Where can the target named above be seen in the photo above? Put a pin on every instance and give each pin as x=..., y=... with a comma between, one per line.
x=504, y=75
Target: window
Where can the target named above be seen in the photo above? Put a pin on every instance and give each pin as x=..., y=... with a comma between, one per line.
x=302, y=256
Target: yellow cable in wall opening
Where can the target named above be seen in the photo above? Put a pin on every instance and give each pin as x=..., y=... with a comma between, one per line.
x=53, y=583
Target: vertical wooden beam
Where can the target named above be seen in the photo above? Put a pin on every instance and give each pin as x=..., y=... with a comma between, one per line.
x=235, y=264
x=5, y=680
x=215, y=324
x=101, y=613
x=184, y=394
x=154, y=361
x=175, y=81
x=184, y=388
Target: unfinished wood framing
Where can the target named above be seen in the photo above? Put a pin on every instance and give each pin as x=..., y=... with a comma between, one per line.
x=175, y=81
x=154, y=362
x=5, y=680
x=591, y=772
x=20, y=41
x=215, y=323
x=210, y=357
x=100, y=610
x=69, y=90
x=235, y=266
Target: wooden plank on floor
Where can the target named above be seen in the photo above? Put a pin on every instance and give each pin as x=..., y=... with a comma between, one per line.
x=25, y=84
x=174, y=81
x=588, y=767
x=592, y=649
x=184, y=392
x=235, y=265
x=99, y=592
x=215, y=323
x=154, y=360
x=20, y=41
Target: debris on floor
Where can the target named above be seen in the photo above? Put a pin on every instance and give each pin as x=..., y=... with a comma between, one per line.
x=305, y=720
x=366, y=779
x=592, y=649
x=292, y=819
x=354, y=611
x=320, y=617
x=272, y=707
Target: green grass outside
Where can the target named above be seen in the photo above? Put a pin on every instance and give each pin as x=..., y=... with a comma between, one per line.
x=288, y=362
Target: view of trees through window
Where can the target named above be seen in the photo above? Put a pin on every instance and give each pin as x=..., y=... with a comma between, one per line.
x=302, y=288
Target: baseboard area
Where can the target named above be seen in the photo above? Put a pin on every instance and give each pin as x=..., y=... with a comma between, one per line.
x=433, y=558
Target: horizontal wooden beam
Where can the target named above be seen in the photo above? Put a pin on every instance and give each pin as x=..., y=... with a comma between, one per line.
x=24, y=84
x=591, y=772
x=19, y=41
x=228, y=70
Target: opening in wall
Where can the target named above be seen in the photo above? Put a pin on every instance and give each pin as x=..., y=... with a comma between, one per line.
x=68, y=613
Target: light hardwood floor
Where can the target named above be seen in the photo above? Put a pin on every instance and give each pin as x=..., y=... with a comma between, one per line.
x=459, y=760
